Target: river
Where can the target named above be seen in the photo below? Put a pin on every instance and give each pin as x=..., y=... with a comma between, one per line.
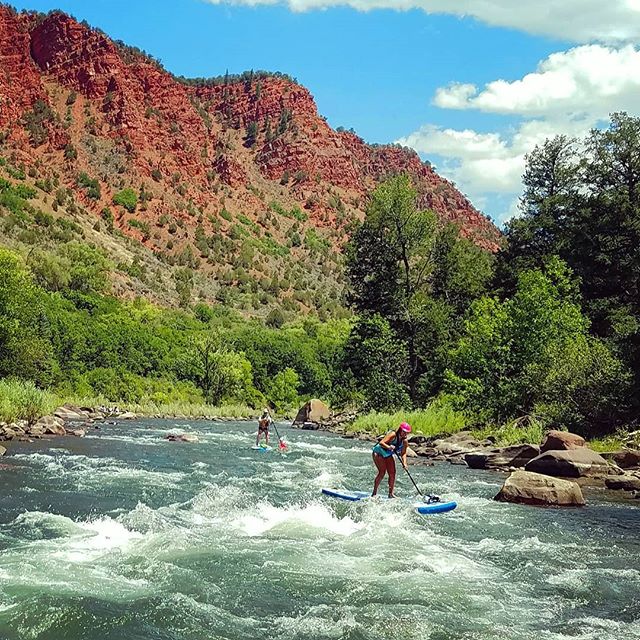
x=123, y=535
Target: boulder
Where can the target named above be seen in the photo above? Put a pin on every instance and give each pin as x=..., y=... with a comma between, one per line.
x=575, y=463
x=313, y=411
x=561, y=441
x=78, y=433
x=625, y=482
x=50, y=425
x=7, y=433
x=19, y=428
x=514, y=456
x=459, y=443
x=310, y=426
x=2, y=451
x=627, y=459
x=69, y=415
x=127, y=415
x=525, y=487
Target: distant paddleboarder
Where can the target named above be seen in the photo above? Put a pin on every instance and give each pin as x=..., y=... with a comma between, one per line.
x=395, y=442
x=263, y=427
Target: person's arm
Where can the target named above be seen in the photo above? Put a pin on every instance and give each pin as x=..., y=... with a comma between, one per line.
x=384, y=443
x=405, y=450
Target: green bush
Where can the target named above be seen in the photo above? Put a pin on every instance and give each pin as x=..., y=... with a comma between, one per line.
x=126, y=198
x=91, y=186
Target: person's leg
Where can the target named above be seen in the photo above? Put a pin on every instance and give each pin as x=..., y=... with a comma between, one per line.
x=381, y=467
x=266, y=437
x=391, y=470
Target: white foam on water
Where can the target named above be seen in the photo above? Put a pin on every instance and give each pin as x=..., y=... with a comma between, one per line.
x=296, y=521
x=102, y=537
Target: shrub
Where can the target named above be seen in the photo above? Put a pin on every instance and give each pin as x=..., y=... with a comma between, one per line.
x=126, y=198
x=91, y=185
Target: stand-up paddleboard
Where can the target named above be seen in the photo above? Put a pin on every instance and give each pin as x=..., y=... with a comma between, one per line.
x=261, y=447
x=421, y=507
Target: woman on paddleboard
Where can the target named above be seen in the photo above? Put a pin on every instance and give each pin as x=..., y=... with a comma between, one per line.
x=395, y=442
x=263, y=427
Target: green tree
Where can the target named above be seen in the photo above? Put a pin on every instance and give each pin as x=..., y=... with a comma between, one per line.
x=409, y=269
x=283, y=390
x=510, y=360
x=586, y=209
x=24, y=349
x=377, y=359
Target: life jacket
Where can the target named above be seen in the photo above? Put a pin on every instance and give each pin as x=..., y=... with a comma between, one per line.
x=398, y=447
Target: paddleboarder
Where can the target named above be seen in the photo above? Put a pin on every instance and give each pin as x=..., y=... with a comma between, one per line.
x=395, y=442
x=263, y=427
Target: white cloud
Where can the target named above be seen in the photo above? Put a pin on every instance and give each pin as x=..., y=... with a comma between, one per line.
x=569, y=93
x=575, y=20
x=488, y=167
x=589, y=79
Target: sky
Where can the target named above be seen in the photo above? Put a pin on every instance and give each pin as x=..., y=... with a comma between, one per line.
x=471, y=85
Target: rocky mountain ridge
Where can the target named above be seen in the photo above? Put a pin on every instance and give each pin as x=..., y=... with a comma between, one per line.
x=223, y=172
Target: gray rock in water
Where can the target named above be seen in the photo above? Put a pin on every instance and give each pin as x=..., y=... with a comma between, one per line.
x=575, y=463
x=182, y=437
x=524, y=487
x=514, y=456
x=2, y=451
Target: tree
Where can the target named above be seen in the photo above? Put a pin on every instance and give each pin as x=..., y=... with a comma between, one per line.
x=409, y=269
x=24, y=349
x=377, y=360
x=587, y=211
x=223, y=375
x=126, y=198
x=531, y=353
x=283, y=390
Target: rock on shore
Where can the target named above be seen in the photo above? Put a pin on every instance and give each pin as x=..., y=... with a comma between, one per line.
x=570, y=463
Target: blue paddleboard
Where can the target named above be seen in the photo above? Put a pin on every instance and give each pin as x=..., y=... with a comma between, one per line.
x=423, y=508
x=261, y=448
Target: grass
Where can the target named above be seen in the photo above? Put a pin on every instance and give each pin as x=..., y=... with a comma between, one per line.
x=21, y=400
x=514, y=432
x=434, y=420
x=191, y=410
x=612, y=442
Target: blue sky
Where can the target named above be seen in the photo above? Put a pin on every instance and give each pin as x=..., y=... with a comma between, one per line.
x=473, y=94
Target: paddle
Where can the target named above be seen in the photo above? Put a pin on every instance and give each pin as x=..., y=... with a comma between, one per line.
x=282, y=445
x=427, y=498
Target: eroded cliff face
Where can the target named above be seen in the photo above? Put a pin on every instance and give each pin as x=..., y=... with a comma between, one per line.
x=191, y=150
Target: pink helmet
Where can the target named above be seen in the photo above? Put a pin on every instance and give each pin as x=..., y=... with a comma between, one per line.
x=405, y=427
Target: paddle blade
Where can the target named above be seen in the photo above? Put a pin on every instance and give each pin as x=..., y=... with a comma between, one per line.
x=282, y=445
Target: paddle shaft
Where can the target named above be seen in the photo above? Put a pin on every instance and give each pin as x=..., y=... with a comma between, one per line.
x=282, y=445
x=410, y=476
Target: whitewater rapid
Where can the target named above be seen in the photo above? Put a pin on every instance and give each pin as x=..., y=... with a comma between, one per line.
x=124, y=535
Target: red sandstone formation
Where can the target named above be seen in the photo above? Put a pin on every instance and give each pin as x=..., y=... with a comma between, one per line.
x=233, y=144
